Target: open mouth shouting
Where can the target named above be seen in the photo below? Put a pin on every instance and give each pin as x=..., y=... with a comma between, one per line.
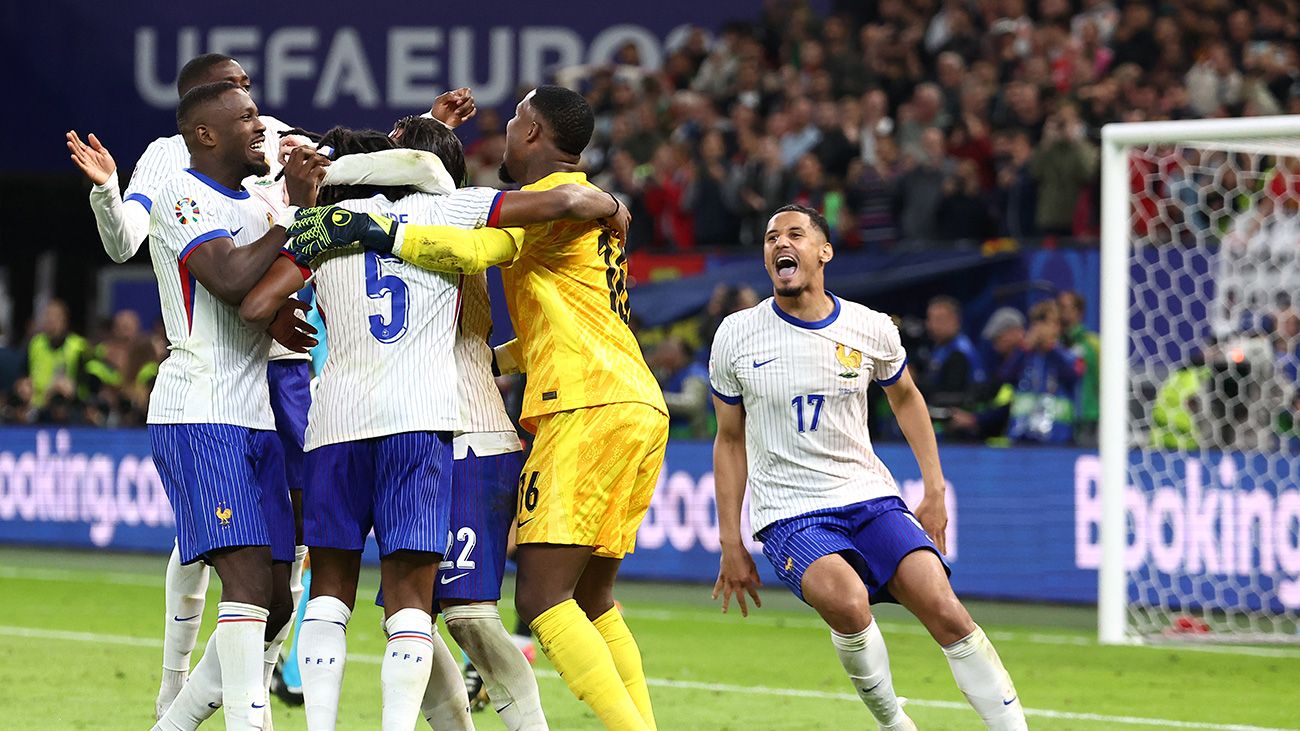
x=786, y=266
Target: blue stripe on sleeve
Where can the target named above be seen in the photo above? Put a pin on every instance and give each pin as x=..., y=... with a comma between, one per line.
x=733, y=400
x=201, y=239
x=141, y=199
x=894, y=378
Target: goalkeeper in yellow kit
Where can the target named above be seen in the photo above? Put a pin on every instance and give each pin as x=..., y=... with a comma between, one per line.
x=598, y=414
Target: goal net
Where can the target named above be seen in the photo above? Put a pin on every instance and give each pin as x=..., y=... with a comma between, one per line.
x=1200, y=444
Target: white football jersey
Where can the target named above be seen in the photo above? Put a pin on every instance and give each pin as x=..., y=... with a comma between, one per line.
x=804, y=389
x=484, y=425
x=392, y=329
x=215, y=371
x=167, y=156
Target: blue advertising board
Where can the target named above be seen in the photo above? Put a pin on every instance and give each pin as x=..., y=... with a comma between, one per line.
x=1024, y=524
x=111, y=68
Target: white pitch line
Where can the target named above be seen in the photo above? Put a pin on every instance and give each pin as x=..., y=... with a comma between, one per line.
x=666, y=615
x=45, y=634
x=1037, y=638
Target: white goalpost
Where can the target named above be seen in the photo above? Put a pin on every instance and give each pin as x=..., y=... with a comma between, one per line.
x=1200, y=450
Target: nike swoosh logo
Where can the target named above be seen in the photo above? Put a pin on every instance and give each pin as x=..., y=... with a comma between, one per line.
x=235, y=233
x=259, y=707
x=523, y=523
x=214, y=706
x=877, y=685
x=1013, y=700
x=185, y=619
x=502, y=708
x=760, y=365
x=444, y=580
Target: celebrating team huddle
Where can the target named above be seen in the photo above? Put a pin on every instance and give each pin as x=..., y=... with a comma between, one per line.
x=252, y=223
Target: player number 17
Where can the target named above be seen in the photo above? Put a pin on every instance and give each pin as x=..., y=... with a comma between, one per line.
x=814, y=401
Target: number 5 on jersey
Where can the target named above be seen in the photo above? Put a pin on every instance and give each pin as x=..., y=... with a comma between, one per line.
x=379, y=286
x=528, y=495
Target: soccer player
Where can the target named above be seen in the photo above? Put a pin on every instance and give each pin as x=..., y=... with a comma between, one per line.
x=488, y=464
x=598, y=414
x=790, y=379
x=123, y=226
x=210, y=421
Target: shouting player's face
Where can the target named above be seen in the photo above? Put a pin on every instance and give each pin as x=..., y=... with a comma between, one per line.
x=795, y=253
x=239, y=132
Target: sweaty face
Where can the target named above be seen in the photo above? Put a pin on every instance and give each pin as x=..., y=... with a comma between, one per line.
x=794, y=253
x=517, y=130
x=239, y=133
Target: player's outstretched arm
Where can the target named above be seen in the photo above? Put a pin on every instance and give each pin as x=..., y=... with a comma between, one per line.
x=914, y=419
x=418, y=168
x=737, y=574
x=571, y=201
x=457, y=250
x=280, y=282
x=123, y=225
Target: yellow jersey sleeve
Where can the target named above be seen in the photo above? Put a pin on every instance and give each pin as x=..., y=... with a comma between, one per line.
x=567, y=294
x=457, y=250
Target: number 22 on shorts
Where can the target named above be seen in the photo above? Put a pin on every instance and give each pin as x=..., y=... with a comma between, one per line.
x=527, y=497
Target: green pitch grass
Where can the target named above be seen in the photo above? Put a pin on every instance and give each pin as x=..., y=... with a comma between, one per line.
x=80, y=639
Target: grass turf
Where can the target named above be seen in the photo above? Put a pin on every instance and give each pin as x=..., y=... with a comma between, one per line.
x=80, y=639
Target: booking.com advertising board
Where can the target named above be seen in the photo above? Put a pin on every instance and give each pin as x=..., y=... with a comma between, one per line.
x=111, y=68
x=1024, y=523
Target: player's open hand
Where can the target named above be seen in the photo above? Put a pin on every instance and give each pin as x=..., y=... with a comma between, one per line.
x=93, y=158
x=303, y=173
x=933, y=516
x=738, y=576
x=454, y=108
x=319, y=231
x=290, y=330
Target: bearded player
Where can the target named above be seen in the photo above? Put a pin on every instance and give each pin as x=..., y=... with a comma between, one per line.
x=790, y=379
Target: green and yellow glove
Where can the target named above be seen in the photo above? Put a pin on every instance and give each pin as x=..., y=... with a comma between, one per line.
x=324, y=229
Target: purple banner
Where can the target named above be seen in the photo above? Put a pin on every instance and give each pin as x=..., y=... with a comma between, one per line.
x=110, y=68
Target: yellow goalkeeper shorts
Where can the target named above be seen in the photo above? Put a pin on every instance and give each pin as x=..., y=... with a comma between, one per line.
x=590, y=477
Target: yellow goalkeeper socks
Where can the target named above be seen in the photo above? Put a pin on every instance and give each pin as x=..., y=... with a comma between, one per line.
x=580, y=654
x=627, y=658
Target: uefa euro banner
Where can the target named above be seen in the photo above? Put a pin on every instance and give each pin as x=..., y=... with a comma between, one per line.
x=1024, y=523
x=111, y=68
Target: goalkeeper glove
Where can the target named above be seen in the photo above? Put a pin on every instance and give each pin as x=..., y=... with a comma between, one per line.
x=318, y=231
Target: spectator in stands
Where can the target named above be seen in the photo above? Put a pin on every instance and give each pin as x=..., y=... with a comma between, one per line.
x=1086, y=346
x=759, y=185
x=952, y=371
x=798, y=135
x=920, y=189
x=1003, y=337
x=11, y=364
x=54, y=361
x=964, y=211
x=1063, y=164
x=871, y=194
x=1042, y=409
x=685, y=383
x=1214, y=83
x=708, y=197
x=674, y=225
x=1016, y=197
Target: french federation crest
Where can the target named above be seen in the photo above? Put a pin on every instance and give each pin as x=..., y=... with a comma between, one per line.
x=223, y=513
x=849, y=358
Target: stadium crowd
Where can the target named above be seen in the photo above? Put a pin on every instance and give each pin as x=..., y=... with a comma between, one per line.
x=920, y=120
x=928, y=120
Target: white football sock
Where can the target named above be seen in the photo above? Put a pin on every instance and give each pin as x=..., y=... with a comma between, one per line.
x=866, y=660
x=201, y=696
x=240, y=633
x=445, y=704
x=185, y=591
x=985, y=682
x=404, y=673
x=509, y=679
x=295, y=578
x=322, y=655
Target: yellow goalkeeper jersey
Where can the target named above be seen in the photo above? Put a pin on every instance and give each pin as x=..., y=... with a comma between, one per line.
x=567, y=294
